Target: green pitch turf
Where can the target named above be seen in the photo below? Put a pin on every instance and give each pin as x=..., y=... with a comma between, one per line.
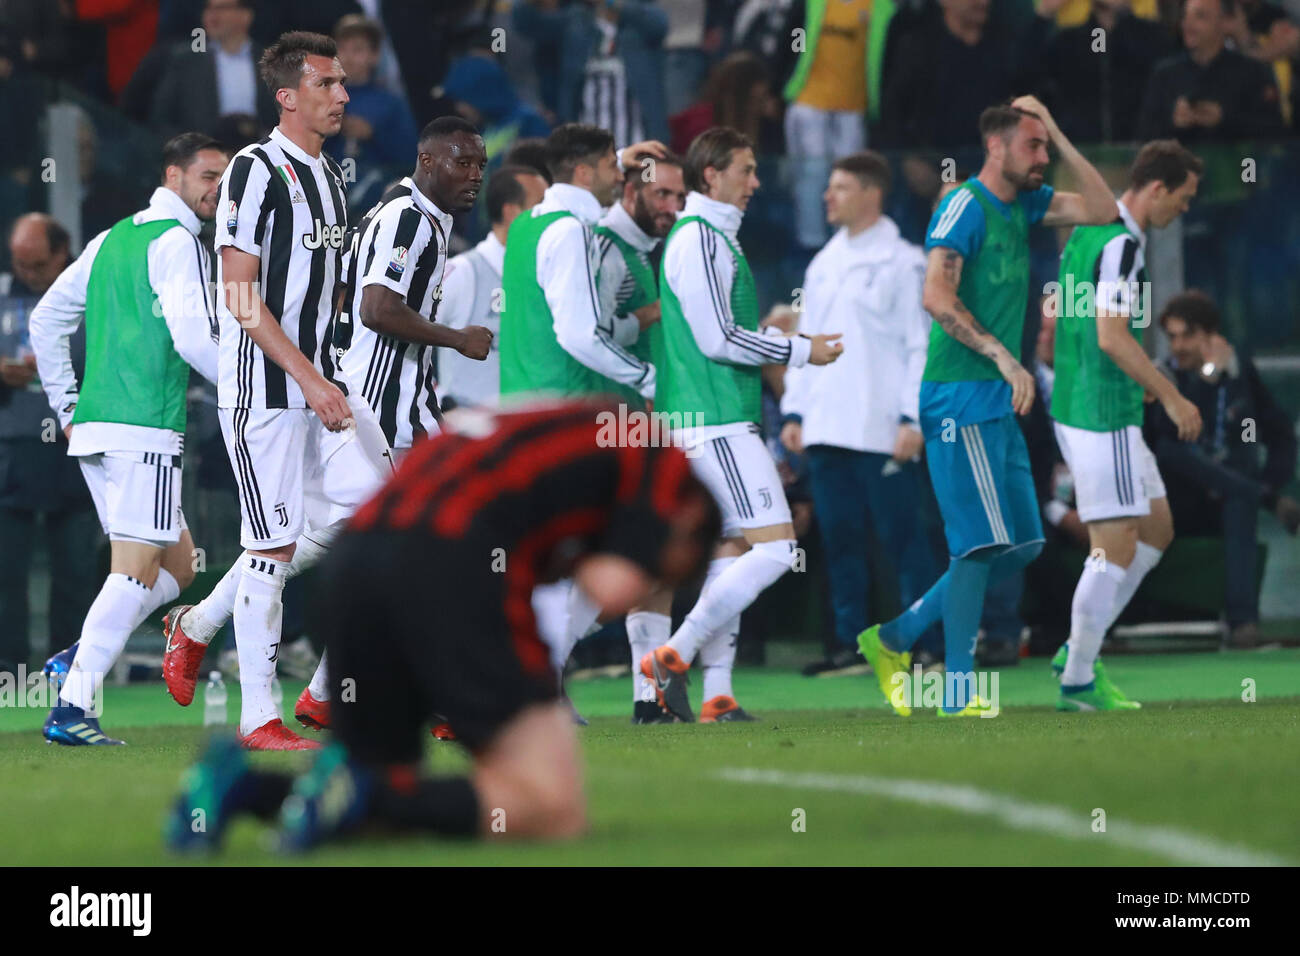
x=828, y=777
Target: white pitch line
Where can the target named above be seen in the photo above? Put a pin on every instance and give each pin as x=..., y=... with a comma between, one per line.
x=1180, y=846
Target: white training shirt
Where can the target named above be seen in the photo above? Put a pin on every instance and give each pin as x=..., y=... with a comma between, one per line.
x=178, y=273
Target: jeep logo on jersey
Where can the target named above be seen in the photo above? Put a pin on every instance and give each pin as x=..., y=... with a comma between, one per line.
x=324, y=235
x=398, y=263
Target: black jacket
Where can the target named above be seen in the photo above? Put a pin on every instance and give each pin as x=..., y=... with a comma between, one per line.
x=1228, y=439
x=187, y=98
x=1097, y=97
x=1241, y=86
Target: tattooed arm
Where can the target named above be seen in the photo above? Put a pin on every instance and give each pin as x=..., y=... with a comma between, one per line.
x=942, y=277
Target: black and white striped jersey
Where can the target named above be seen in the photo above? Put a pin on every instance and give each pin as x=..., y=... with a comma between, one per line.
x=290, y=210
x=400, y=244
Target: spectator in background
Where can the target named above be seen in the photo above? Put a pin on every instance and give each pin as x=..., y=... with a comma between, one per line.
x=1217, y=486
x=39, y=479
x=377, y=126
x=610, y=69
x=767, y=27
x=130, y=28
x=1262, y=31
x=828, y=96
x=200, y=88
x=858, y=421
x=695, y=36
x=1208, y=93
x=387, y=74
x=944, y=71
x=482, y=93
x=1093, y=93
x=35, y=38
x=738, y=94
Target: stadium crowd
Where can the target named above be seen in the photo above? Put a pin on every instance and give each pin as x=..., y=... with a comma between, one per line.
x=810, y=83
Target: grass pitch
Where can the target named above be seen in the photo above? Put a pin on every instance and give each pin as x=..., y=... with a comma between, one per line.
x=828, y=777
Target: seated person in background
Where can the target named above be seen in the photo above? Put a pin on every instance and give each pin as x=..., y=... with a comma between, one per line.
x=1217, y=485
x=378, y=128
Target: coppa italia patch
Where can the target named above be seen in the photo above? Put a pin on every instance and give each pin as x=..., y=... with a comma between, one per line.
x=398, y=263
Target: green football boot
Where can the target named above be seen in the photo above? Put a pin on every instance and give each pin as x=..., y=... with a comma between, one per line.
x=886, y=663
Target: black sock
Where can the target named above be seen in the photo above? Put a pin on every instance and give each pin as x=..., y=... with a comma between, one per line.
x=446, y=805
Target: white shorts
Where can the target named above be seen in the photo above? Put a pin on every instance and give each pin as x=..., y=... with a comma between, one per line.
x=1115, y=474
x=741, y=474
x=137, y=495
x=294, y=474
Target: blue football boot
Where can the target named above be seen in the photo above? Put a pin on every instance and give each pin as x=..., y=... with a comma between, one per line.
x=69, y=726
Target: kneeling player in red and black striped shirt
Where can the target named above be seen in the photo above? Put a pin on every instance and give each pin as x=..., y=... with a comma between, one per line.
x=425, y=606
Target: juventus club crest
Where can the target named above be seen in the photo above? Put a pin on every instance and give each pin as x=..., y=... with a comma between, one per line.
x=282, y=513
x=765, y=496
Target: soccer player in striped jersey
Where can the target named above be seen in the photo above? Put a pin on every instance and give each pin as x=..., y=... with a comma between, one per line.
x=626, y=237
x=387, y=332
x=709, y=366
x=536, y=484
x=1102, y=372
x=977, y=290
x=305, y=453
x=142, y=290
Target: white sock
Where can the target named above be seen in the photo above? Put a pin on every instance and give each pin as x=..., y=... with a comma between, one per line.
x=118, y=610
x=550, y=607
x=258, y=617
x=734, y=590
x=646, y=630
x=1144, y=559
x=320, y=683
x=164, y=591
x=580, y=619
x=310, y=548
x=1094, y=601
x=203, y=620
x=718, y=659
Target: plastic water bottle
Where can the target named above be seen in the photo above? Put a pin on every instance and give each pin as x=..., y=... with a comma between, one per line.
x=277, y=696
x=214, y=701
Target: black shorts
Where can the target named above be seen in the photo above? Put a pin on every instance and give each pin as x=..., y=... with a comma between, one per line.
x=416, y=628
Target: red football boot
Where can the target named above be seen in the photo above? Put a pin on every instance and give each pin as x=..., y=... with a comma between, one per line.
x=274, y=735
x=182, y=658
x=442, y=732
x=312, y=713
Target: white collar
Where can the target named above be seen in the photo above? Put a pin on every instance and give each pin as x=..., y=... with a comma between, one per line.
x=494, y=252
x=621, y=222
x=570, y=198
x=165, y=204
x=1131, y=224
x=875, y=243
x=293, y=149
x=445, y=219
x=723, y=215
